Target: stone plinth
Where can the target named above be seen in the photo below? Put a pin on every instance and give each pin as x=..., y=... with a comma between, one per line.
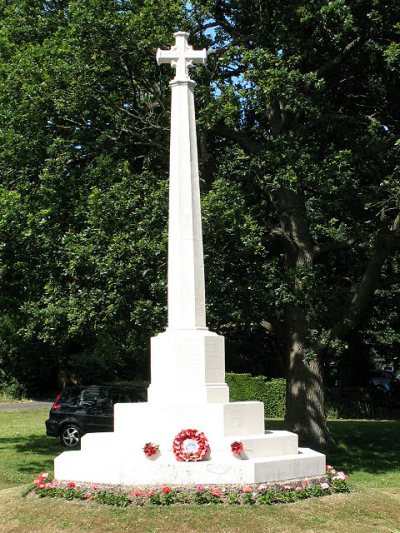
x=118, y=457
x=187, y=367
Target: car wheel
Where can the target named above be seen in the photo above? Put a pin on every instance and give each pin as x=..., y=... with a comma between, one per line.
x=70, y=436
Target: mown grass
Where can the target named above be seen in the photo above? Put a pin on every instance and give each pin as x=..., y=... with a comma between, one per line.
x=369, y=451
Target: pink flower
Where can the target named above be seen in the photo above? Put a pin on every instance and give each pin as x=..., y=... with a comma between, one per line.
x=48, y=485
x=298, y=489
x=305, y=482
x=150, y=493
x=44, y=475
x=88, y=496
x=328, y=467
x=70, y=484
x=246, y=488
x=262, y=488
x=37, y=481
x=325, y=486
x=41, y=486
x=55, y=483
x=200, y=488
x=137, y=493
x=287, y=487
x=340, y=475
x=94, y=486
x=165, y=490
x=217, y=492
x=333, y=471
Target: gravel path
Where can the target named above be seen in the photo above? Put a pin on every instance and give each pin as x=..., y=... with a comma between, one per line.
x=23, y=406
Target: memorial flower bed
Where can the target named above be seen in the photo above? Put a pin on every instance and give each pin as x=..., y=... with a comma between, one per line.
x=255, y=494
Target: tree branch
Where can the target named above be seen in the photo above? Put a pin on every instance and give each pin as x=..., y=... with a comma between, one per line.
x=273, y=326
x=334, y=246
x=246, y=142
x=333, y=63
x=384, y=245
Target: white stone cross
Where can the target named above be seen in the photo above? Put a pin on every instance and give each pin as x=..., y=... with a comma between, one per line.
x=181, y=56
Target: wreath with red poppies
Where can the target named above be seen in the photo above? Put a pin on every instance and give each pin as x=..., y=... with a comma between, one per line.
x=190, y=445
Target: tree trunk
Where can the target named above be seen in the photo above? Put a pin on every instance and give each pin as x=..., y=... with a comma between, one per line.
x=305, y=401
x=305, y=404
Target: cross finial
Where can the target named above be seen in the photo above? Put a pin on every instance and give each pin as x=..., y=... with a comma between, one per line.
x=181, y=56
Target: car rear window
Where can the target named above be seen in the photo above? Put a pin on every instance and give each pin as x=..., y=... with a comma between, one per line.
x=70, y=397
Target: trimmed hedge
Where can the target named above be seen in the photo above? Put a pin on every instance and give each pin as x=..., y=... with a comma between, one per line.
x=346, y=402
x=244, y=387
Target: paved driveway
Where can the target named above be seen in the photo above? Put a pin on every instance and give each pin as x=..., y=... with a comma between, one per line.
x=23, y=406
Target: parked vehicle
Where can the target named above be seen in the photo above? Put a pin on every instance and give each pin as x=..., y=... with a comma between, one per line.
x=79, y=410
x=386, y=380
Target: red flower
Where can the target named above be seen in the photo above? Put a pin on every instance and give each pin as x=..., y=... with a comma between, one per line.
x=150, y=449
x=150, y=493
x=70, y=484
x=217, y=492
x=237, y=448
x=305, y=482
x=246, y=488
x=136, y=493
x=165, y=490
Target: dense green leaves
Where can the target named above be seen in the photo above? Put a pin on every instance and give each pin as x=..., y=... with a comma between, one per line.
x=299, y=122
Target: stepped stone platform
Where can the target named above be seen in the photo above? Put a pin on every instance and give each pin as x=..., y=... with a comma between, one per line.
x=118, y=457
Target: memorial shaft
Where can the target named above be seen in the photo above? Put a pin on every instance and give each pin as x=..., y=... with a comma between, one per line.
x=186, y=291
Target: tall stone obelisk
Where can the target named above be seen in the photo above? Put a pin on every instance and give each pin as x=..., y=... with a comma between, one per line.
x=187, y=361
x=188, y=388
x=186, y=294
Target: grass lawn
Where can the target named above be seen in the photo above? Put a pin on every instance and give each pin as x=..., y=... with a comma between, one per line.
x=369, y=451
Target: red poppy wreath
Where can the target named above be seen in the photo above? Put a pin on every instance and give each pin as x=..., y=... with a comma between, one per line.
x=190, y=445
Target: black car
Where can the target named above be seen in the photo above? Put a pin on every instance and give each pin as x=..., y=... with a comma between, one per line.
x=385, y=380
x=80, y=410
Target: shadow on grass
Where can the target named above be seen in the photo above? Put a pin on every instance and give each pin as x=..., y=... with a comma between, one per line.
x=370, y=446
x=36, y=452
x=361, y=445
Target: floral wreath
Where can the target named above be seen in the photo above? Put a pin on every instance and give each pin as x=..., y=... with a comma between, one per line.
x=190, y=445
x=150, y=449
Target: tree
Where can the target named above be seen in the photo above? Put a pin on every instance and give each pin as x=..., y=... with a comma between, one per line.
x=83, y=145
x=304, y=96
x=299, y=141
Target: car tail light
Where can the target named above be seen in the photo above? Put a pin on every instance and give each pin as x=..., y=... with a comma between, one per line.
x=56, y=405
